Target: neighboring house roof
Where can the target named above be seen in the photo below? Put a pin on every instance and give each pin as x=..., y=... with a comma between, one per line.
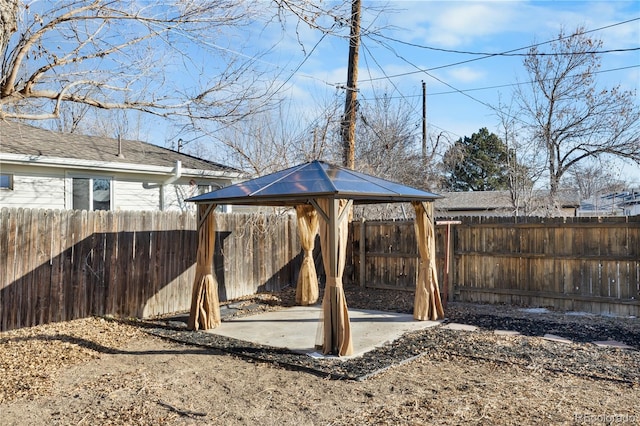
x=36, y=145
x=630, y=198
x=498, y=201
x=474, y=201
x=611, y=204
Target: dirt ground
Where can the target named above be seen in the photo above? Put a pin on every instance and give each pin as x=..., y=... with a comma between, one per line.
x=104, y=372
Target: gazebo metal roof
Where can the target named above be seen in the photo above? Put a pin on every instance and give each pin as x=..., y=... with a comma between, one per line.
x=312, y=180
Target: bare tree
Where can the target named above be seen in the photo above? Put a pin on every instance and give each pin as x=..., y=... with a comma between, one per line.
x=570, y=118
x=388, y=142
x=119, y=54
x=597, y=178
x=269, y=140
x=390, y=146
x=524, y=167
x=78, y=61
x=260, y=144
x=8, y=21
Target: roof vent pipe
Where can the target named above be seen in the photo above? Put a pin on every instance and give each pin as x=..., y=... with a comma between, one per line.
x=120, y=154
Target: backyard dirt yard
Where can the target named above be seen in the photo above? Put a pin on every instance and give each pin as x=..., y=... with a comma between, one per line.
x=102, y=371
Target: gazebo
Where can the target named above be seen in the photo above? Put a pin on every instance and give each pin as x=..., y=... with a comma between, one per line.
x=322, y=195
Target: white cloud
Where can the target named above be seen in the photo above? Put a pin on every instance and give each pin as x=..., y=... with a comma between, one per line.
x=462, y=23
x=454, y=23
x=467, y=74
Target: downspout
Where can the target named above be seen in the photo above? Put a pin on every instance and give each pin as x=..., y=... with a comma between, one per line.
x=177, y=173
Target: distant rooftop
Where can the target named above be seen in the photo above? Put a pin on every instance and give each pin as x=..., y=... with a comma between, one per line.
x=612, y=204
x=498, y=202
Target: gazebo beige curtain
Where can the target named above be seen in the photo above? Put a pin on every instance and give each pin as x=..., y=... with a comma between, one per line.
x=205, y=308
x=334, y=230
x=307, y=286
x=427, y=304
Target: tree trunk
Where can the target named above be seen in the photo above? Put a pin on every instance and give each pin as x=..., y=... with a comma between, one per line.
x=8, y=22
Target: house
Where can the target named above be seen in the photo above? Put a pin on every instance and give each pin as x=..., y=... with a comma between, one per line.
x=45, y=169
x=631, y=204
x=499, y=203
x=623, y=203
x=474, y=203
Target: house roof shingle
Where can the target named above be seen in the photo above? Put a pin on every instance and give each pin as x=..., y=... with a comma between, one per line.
x=480, y=200
x=23, y=139
x=498, y=201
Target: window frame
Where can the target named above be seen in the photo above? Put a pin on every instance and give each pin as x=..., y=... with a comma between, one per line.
x=9, y=186
x=91, y=178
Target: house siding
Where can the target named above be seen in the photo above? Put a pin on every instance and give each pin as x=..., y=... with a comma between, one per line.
x=130, y=195
x=33, y=191
x=50, y=188
x=42, y=164
x=174, y=196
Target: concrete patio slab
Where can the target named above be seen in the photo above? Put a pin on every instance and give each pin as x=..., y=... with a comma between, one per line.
x=506, y=333
x=296, y=328
x=554, y=338
x=612, y=344
x=460, y=327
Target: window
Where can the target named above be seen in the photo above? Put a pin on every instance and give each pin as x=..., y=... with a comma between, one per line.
x=203, y=189
x=91, y=193
x=6, y=181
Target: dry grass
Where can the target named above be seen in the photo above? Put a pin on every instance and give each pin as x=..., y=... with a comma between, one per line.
x=96, y=371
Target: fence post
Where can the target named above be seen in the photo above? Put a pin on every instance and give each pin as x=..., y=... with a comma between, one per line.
x=449, y=266
x=447, y=290
x=362, y=253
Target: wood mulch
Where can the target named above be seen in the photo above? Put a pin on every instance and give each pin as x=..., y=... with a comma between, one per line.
x=32, y=359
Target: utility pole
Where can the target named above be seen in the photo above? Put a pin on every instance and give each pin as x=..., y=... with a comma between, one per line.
x=349, y=118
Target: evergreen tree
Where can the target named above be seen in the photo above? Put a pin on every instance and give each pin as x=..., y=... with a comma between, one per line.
x=477, y=163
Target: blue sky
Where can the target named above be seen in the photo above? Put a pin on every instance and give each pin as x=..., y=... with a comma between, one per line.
x=471, y=26
x=496, y=26
x=423, y=35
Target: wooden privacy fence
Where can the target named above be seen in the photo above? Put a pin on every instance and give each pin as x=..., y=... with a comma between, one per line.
x=581, y=264
x=62, y=265
x=384, y=254
x=585, y=264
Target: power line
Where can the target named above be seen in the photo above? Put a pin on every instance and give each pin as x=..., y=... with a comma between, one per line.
x=500, y=86
x=456, y=90
x=486, y=56
x=403, y=97
x=509, y=52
